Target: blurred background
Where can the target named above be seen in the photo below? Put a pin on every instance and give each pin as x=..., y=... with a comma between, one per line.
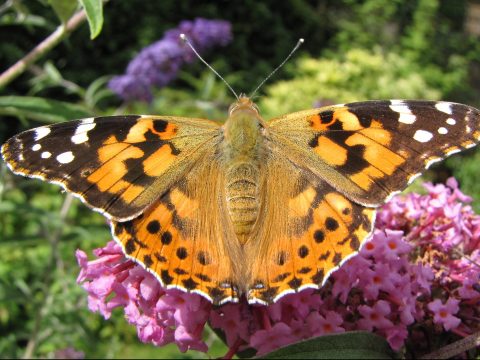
x=353, y=50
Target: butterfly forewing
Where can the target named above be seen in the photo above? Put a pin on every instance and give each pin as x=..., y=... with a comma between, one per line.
x=371, y=150
x=117, y=164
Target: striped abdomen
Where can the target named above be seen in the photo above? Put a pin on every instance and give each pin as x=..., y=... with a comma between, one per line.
x=242, y=196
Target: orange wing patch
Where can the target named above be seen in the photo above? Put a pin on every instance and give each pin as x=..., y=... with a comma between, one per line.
x=347, y=140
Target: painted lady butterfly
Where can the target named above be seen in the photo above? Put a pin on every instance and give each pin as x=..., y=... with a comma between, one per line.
x=250, y=207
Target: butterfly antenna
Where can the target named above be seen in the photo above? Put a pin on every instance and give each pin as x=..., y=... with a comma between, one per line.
x=299, y=42
x=186, y=41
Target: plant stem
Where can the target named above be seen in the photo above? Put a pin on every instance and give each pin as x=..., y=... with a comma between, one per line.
x=50, y=42
x=456, y=348
x=56, y=264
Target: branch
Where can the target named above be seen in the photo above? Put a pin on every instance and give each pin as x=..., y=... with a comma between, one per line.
x=456, y=348
x=50, y=42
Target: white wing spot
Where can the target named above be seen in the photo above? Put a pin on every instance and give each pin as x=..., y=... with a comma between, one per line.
x=442, y=130
x=423, y=136
x=65, y=158
x=454, y=151
x=90, y=120
x=451, y=121
x=444, y=107
x=407, y=118
x=431, y=161
x=81, y=133
x=46, y=154
x=41, y=132
x=406, y=115
x=36, y=147
x=413, y=177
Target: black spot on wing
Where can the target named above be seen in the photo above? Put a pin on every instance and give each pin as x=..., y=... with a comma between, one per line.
x=331, y=224
x=318, y=277
x=295, y=283
x=179, y=271
x=281, y=258
x=319, y=236
x=303, y=251
x=190, y=284
x=216, y=294
x=130, y=246
x=182, y=253
x=269, y=294
x=153, y=227
x=203, y=277
x=147, y=260
x=281, y=277
x=203, y=258
x=166, y=278
x=166, y=238
x=160, y=125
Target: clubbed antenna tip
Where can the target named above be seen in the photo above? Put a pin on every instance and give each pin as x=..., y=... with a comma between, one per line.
x=299, y=42
x=184, y=38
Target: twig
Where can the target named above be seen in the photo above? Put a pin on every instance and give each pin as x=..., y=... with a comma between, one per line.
x=51, y=41
x=455, y=348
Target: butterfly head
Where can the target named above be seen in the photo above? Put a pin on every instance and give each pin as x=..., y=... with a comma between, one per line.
x=243, y=104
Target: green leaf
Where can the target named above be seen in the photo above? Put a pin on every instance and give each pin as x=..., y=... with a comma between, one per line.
x=64, y=8
x=41, y=109
x=94, y=11
x=97, y=91
x=351, y=345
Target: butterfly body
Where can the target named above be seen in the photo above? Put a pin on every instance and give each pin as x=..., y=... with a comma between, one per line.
x=248, y=208
x=242, y=154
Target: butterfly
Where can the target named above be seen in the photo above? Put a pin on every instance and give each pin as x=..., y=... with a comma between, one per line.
x=249, y=208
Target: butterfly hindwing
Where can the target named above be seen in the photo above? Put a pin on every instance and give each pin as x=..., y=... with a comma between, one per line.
x=371, y=150
x=308, y=230
x=185, y=238
x=116, y=164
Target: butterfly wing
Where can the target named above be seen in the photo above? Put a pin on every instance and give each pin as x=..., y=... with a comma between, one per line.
x=118, y=165
x=308, y=229
x=186, y=238
x=371, y=150
x=328, y=170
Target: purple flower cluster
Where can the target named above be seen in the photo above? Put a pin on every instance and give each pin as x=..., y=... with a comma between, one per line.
x=419, y=271
x=158, y=64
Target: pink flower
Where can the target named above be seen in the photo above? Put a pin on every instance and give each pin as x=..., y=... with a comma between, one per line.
x=320, y=325
x=375, y=316
x=161, y=316
x=229, y=318
x=468, y=289
x=267, y=340
x=444, y=313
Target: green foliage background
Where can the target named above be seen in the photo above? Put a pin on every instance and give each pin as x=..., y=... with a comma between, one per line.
x=354, y=50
